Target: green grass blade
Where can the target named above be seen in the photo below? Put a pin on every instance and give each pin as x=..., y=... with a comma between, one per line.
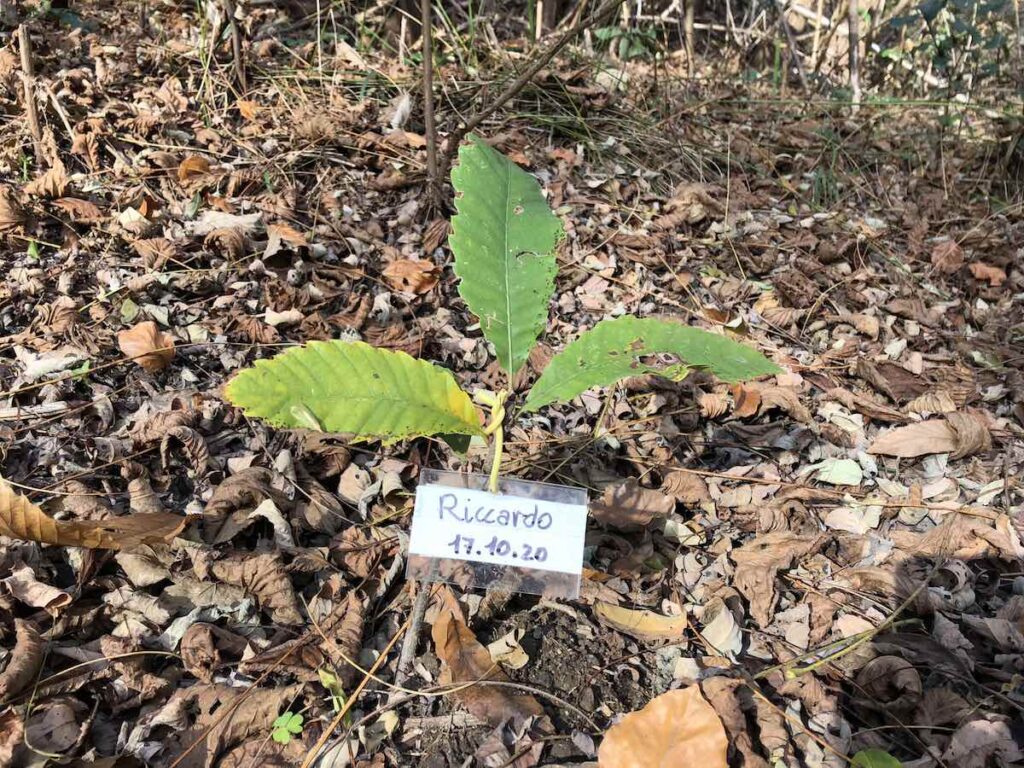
x=612, y=350
x=354, y=388
x=504, y=238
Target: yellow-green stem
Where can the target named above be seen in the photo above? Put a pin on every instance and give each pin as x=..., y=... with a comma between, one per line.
x=496, y=403
x=499, y=439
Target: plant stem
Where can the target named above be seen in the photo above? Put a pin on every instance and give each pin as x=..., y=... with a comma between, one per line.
x=496, y=403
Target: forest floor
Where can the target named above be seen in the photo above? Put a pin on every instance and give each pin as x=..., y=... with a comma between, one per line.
x=833, y=555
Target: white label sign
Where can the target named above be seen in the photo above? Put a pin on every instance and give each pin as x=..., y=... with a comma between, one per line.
x=465, y=524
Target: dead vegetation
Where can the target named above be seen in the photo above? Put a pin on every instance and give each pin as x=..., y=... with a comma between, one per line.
x=815, y=564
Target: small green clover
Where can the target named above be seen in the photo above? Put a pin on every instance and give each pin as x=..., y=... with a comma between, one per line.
x=287, y=725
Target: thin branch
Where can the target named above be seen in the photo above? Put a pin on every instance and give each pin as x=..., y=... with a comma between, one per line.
x=29, y=80
x=433, y=179
x=605, y=11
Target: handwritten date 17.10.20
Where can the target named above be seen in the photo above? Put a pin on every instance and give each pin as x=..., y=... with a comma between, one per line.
x=467, y=545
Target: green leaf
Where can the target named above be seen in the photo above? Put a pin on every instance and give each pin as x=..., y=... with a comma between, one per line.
x=354, y=388
x=504, y=239
x=612, y=350
x=874, y=758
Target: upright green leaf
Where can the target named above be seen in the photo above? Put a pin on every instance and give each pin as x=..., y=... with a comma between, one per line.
x=612, y=350
x=504, y=238
x=354, y=388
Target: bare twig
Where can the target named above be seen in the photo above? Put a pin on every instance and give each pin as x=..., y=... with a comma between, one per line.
x=853, y=21
x=236, y=45
x=433, y=180
x=794, y=51
x=541, y=60
x=405, y=657
x=28, y=73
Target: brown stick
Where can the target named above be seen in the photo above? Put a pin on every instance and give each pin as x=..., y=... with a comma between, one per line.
x=794, y=51
x=853, y=21
x=433, y=179
x=236, y=45
x=28, y=76
x=455, y=137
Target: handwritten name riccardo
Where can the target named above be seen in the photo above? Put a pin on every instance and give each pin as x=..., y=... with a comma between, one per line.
x=449, y=504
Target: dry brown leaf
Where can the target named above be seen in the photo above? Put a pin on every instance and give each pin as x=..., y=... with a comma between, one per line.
x=12, y=215
x=785, y=399
x=21, y=519
x=247, y=109
x=201, y=645
x=866, y=405
x=892, y=380
x=255, y=330
x=628, y=505
x=467, y=661
x=713, y=404
x=758, y=561
x=932, y=402
x=80, y=211
x=150, y=347
x=890, y=683
x=155, y=252
x=12, y=733
x=26, y=588
x=263, y=576
x=57, y=725
x=194, y=445
x=982, y=271
x=866, y=324
x=191, y=167
x=913, y=440
x=360, y=550
x=229, y=241
x=947, y=257
x=224, y=718
x=24, y=661
x=412, y=275
x=435, y=234
x=678, y=728
x=86, y=144
x=227, y=511
x=730, y=697
x=746, y=400
x=286, y=233
x=51, y=184
x=643, y=625
x=972, y=433
x=686, y=487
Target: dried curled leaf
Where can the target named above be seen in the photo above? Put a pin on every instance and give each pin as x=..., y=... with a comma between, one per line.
x=21, y=519
x=192, y=167
x=80, y=211
x=24, y=662
x=150, y=347
x=264, y=577
x=155, y=251
x=412, y=275
x=959, y=434
x=51, y=184
x=467, y=661
x=713, y=404
x=643, y=625
x=628, y=505
x=678, y=728
x=12, y=215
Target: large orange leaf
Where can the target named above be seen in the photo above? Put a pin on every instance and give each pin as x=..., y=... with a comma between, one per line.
x=21, y=519
x=678, y=728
